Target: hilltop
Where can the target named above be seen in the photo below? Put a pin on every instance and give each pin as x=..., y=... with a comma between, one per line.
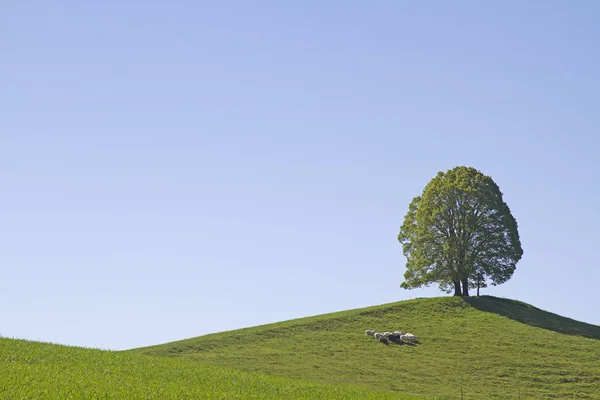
x=492, y=347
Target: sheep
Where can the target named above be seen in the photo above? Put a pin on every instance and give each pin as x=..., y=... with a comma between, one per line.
x=408, y=337
x=395, y=339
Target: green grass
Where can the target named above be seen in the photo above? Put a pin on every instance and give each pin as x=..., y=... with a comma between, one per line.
x=493, y=348
x=34, y=370
x=496, y=348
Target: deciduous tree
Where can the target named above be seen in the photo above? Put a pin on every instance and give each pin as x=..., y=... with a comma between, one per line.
x=459, y=233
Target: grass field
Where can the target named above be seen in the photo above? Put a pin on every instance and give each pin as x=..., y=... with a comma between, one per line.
x=493, y=348
x=488, y=347
x=33, y=370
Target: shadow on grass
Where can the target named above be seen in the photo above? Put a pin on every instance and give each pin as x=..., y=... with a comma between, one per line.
x=400, y=342
x=530, y=315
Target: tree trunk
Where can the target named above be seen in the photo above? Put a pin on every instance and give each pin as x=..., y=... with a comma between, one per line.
x=465, y=286
x=478, y=281
x=457, y=288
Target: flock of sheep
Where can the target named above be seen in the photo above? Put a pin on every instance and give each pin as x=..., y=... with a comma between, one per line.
x=395, y=337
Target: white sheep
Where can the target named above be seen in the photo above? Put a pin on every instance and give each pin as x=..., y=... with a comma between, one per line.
x=408, y=338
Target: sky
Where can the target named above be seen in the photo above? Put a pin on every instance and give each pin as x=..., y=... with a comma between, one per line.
x=172, y=169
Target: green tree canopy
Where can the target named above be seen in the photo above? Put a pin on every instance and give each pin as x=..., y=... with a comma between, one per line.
x=459, y=231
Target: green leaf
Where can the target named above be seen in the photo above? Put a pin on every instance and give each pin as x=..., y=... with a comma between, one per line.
x=459, y=230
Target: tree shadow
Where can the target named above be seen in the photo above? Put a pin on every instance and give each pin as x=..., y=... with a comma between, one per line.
x=530, y=315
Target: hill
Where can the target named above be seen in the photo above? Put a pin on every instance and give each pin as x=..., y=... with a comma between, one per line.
x=491, y=347
x=34, y=370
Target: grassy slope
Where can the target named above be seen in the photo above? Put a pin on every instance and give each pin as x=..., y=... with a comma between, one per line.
x=33, y=370
x=496, y=347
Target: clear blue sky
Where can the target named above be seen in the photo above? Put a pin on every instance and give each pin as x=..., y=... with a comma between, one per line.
x=170, y=169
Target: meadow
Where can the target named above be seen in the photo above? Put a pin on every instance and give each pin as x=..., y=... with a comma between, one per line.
x=489, y=347
x=34, y=370
x=477, y=348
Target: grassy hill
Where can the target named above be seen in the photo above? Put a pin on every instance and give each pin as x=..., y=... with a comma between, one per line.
x=33, y=370
x=493, y=348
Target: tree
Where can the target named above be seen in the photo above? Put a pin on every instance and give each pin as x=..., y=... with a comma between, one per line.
x=459, y=233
